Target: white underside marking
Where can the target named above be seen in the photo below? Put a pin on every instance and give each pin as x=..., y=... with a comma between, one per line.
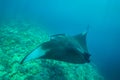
x=35, y=54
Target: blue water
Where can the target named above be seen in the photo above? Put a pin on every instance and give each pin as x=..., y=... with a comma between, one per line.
x=72, y=17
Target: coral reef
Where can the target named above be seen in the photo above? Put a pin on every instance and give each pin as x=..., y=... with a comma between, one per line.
x=17, y=40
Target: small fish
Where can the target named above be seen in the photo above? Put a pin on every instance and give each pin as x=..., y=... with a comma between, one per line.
x=61, y=47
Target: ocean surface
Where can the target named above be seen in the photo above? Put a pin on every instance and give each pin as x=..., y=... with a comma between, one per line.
x=72, y=17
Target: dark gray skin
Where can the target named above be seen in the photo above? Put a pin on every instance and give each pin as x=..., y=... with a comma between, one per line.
x=66, y=48
x=62, y=49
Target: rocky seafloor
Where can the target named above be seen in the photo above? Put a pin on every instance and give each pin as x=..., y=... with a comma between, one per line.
x=19, y=39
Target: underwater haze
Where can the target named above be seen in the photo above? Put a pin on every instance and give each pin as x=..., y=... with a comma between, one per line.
x=72, y=17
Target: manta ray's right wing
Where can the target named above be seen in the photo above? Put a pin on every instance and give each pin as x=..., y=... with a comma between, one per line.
x=81, y=38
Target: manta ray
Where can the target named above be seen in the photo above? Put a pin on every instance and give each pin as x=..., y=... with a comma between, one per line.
x=62, y=47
